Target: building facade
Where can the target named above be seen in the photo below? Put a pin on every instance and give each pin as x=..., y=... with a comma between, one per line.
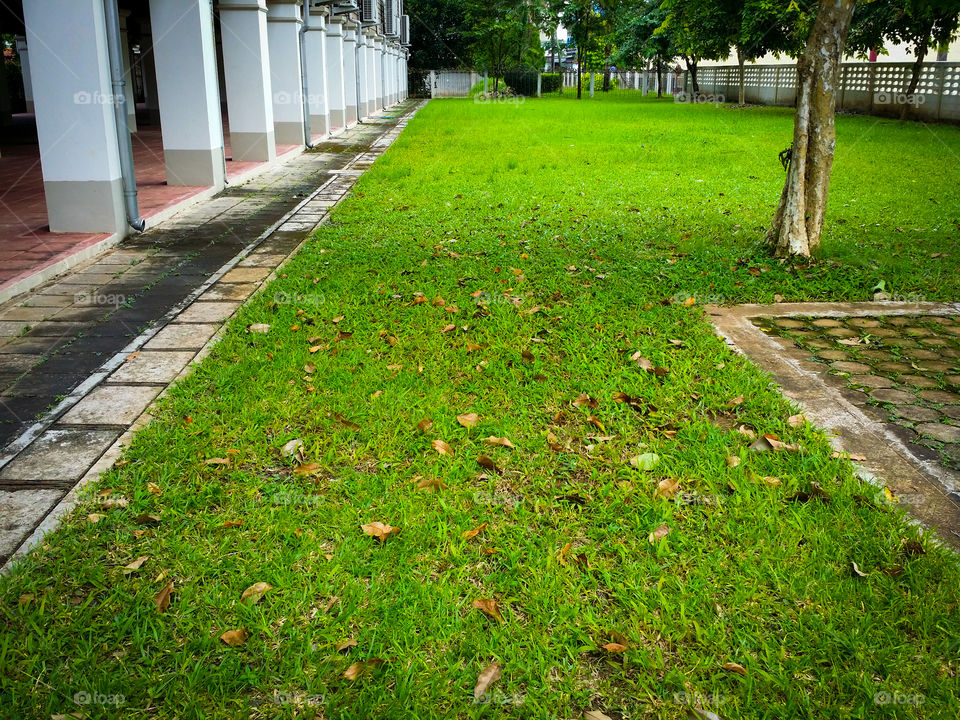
x=221, y=79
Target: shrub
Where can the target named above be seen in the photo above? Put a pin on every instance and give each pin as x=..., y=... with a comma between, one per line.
x=550, y=82
x=522, y=81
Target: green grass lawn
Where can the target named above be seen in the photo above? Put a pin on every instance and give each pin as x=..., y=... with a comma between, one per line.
x=510, y=261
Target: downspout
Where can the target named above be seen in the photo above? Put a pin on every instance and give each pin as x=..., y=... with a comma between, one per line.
x=304, y=85
x=356, y=67
x=127, y=174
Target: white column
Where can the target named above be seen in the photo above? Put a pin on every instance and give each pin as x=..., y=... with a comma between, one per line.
x=127, y=75
x=246, y=63
x=316, y=49
x=184, y=54
x=76, y=128
x=381, y=80
x=363, y=74
x=350, y=72
x=336, y=98
x=372, y=64
x=283, y=32
x=24, y=54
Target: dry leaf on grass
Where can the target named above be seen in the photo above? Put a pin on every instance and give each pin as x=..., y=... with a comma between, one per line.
x=796, y=421
x=162, y=598
x=487, y=462
x=292, y=447
x=217, y=461
x=253, y=594
x=358, y=669
x=341, y=646
x=595, y=715
x=490, y=675
x=467, y=534
x=379, y=530
x=584, y=400
x=235, y=638
x=668, y=487
x=258, y=328
x=441, y=447
x=614, y=647
x=424, y=425
x=657, y=535
x=434, y=484
x=501, y=441
x=735, y=667
x=135, y=565
x=732, y=461
x=488, y=606
x=468, y=420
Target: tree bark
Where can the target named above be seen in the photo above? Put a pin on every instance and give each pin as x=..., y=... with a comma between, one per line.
x=740, y=61
x=915, y=76
x=659, y=78
x=798, y=221
x=691, y=63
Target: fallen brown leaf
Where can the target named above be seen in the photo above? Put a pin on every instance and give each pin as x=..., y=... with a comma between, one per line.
x=584, y=400
x=488, y=606
x=490, y=675
x=235, y=638
x=441, y=447
x=735, y=667
x=379, y=530
x=424, y=425
x=341, y=646
x=668, y=487
x=253, y=594
x=501, y=441
x=135, y=565
x=614, y=647
x=487, y=462
x=467, y=534
x=162, y=598
x=468, y=420
x=658, y=534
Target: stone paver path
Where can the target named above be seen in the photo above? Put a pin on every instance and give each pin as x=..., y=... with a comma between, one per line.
x=88, y=352
x=907, y=366
x=882, y=378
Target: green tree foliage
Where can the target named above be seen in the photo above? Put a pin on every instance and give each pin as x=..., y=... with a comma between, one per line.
x=438, y=34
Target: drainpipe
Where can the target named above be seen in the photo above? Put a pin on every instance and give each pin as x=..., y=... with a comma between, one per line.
x=115, y=50
x=304, y=85
x=356, y=67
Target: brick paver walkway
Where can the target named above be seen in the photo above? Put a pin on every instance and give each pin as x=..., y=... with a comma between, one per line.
x=88, y=352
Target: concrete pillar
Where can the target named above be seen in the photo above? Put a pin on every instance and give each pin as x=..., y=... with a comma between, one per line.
x=127, y=75
x=372, y=67
x=24, y=55
x=148, y=67
x=363, y=74
x=336, y=98
x=184, y=53
x=246, y=64
x=350, y=72
x=316, y=49
x=381, y=75
x=283, y=30
x=77, y=132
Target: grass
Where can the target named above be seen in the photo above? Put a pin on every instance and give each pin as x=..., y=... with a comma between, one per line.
x=547, y=234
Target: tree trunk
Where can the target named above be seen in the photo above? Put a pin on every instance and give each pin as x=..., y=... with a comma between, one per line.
x=579, y=73
x=740, y=60
x=659, y=78
x=915, y=77
x=798, y=222
x=691, y=63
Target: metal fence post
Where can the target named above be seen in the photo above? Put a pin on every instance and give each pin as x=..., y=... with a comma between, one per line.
x=591, y=83
x=776, y=85
x=486, y=86
x=539, y=84
x=432, y=80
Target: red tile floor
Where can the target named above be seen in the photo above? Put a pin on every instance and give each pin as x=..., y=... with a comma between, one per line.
x=26, y=243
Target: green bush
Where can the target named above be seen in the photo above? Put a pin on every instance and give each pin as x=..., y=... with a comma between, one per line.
x=550, y=82
x=522, y=81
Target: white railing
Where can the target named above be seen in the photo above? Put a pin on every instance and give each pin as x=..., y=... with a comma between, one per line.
x=873, y=88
